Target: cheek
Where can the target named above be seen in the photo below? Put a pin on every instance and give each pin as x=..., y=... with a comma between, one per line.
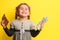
x=20, y=10
x=27, y=11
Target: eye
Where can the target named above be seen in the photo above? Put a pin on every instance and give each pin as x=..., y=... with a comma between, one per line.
x=21, y=8
x=26, y=8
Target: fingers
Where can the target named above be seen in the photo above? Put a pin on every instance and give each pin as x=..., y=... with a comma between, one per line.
x=2, y=23
x=41, y=25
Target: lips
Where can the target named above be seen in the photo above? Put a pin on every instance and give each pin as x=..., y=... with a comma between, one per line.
x=23, y=13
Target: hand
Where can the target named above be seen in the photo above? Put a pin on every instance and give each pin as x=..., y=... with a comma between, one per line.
x=41, y=25
x=4, y=23
x=43, y=21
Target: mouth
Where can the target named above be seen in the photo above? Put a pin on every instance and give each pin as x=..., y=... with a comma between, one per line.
x=23, y=13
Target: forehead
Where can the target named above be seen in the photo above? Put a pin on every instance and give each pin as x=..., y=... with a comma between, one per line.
x=23, y=6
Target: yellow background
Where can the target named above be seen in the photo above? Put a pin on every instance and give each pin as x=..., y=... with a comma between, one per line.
x=39, y=9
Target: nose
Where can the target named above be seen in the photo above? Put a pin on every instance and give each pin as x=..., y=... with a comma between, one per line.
x=23, y=10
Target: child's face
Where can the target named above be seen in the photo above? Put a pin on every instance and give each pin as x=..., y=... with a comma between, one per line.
x=24, y=11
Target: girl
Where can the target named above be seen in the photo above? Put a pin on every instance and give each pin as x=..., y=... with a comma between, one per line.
x=22, y=28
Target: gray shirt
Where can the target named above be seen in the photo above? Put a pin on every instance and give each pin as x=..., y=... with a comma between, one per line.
x=19, y=25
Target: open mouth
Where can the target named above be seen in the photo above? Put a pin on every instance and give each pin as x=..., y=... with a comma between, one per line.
x=23, y=13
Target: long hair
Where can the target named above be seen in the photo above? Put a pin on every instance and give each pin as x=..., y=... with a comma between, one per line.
x=17, y=10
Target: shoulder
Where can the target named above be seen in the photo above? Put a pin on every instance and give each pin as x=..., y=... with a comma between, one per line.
x=14, y=21
x=31, y=22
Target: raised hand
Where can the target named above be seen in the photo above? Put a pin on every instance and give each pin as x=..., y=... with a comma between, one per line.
x=4, y=21
x=41, y=24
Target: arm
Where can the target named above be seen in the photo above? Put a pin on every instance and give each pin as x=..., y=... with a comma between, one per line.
x=39, y=27
x=4, y=25
x=9, y=32
x=34, y=33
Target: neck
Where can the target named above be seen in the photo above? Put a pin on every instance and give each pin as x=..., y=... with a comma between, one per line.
x=23, y=18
